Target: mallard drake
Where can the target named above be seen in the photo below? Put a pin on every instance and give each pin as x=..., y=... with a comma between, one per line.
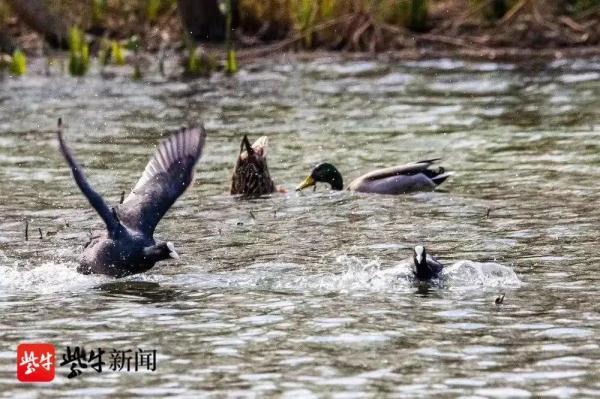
x=402, y=179
x=127, y=245
x=251, y=176
x=426, y=267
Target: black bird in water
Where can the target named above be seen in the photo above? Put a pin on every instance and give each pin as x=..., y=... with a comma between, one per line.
x=426, y=267
x=127, y=245
x=251, y=176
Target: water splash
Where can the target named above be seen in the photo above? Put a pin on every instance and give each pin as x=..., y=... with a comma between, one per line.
x=465, y=273
x=354, y=275
x=48, y=277
x=489, y=274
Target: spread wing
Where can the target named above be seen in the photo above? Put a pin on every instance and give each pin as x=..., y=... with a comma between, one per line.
x=95, y=199
x=166, y=177
x=407, y=170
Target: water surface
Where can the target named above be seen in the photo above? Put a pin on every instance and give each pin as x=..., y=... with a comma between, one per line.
x=296, y=295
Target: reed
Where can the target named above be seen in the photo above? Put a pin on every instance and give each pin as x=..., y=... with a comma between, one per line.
x=104, y=52
x=18, y=63
x=79, y=53
x=198, y=63
x=133, y=45
x=491, y=10
x=579, y=6
x=152, y=10
x=98, y=10
x=231, y=64
x=413, y=14
x=305, y=17
x=116, y=53
x=364, y=18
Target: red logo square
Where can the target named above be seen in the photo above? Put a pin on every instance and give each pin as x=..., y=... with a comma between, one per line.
x=36, y=362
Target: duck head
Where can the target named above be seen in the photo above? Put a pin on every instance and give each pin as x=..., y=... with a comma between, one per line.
x=323, y=173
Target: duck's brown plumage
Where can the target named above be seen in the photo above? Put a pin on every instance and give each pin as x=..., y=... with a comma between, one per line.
x=251, y=176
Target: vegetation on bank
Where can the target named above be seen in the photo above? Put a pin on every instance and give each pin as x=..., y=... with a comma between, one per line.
x=117, y=31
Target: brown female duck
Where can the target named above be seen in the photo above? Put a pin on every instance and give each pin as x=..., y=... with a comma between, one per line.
x=251, y=176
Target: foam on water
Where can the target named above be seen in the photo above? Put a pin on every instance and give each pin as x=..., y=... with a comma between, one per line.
x=463, y=273
x=354, y=275
x=489, y=274
x=48, y=277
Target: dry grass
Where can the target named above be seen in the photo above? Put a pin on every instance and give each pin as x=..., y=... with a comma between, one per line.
x=352, y=25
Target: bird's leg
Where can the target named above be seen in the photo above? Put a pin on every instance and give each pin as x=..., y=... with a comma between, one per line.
x=122, y=197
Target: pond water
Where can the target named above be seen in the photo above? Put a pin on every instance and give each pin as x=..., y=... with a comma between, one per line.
x=306, y=294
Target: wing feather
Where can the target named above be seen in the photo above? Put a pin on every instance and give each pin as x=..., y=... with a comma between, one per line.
x=408, y=169
x=93, y=197
x=166, y=176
